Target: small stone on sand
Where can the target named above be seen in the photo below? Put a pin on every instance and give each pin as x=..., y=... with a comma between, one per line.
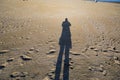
x=104, y=72
x=15, y=74
x=52, y=51
x=32, y=49
x=4, y=51
x=19, y=74
x=10, y=59
x=115, y=58
x=74, y=53
x=25, y=57
x=117, y=62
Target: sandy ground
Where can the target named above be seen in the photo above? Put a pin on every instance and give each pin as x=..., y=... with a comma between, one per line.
x=33, y=28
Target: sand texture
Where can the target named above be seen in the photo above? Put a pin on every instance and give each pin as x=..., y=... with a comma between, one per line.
x=29, y=39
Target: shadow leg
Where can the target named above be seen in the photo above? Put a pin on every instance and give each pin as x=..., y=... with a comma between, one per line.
x=66, y=64
x=59, y=63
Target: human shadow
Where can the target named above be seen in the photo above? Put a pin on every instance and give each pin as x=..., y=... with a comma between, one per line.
x=65, y=45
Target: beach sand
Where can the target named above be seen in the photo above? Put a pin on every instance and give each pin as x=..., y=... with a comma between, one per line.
x=33, y=28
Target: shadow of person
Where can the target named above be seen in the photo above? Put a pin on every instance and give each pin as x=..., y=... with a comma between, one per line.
x=65, y=45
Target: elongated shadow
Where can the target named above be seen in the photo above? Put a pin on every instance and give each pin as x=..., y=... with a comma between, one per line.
x=65, y=45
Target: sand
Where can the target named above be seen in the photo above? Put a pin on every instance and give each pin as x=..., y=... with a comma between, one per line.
x=33, y=28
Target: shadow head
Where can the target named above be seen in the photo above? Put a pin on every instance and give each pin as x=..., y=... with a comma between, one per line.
x=66, y=19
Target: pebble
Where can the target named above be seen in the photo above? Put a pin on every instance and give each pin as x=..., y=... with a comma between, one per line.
x=101, y=66
x=3, y=66
x=49, y=74
x=19, y=74
x=37, y=50
x=32, y=49
x=117, y=62
x=17, y=78
x=92, y=47
x=108, y=54
x=24, y=74
x=52, y=51
x=25, y=57
x=70, y=58
x=71, y=67
x=52, y=70
x=29, y=52
x=52, y=77
x=104, y=50
x=10, y=59
x=21, y=64
x=4, y=51
x=96, y=50
x=100, y=69
x=84, y=50
x=116, y=51
x=27, y=38
x=15, y=74
x=46, y=78
x=111, y=48
x=74, y=53
x=104, y=72
x=96, y=54
x=115, y=58
x=52, y=47
x=90, y=68
x=71, y=62
x=20, y=37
